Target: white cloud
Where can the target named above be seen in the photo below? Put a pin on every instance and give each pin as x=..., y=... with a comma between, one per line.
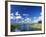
x=15, y=17
x=36, y=19
x=28, y=20
x=25, y=14
x=40, y=18
x=18, y=17
x=11, y=16
x=17, y=13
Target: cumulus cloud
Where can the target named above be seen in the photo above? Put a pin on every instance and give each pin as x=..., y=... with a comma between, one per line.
x=36, y=19
x=28, y=20
x=18, y=17
x=12, y=16
x=25, y=15
x=17, y=13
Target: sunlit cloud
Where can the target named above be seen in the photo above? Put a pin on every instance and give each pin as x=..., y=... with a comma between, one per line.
x=28, y=20
x=25, y=15
x=18, y=17
x=36, y=19
x=17, y=13
x=12, y=16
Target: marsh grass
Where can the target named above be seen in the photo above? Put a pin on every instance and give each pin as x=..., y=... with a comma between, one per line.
x=34, y=26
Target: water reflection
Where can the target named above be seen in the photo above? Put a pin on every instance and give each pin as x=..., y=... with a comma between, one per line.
x=23, y=27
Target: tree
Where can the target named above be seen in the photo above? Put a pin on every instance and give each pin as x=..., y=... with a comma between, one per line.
x=39, y=21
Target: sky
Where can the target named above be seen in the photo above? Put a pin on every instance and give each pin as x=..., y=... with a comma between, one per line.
x=31, y=12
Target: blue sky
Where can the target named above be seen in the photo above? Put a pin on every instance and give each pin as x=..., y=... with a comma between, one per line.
x=31, y=11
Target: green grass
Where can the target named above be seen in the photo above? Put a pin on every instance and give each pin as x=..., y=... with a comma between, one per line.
x=37, y=26
x=15, y=26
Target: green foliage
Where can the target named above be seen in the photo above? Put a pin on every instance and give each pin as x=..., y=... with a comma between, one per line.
x=15, y=26
x=34, y=26
x=37, y=26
